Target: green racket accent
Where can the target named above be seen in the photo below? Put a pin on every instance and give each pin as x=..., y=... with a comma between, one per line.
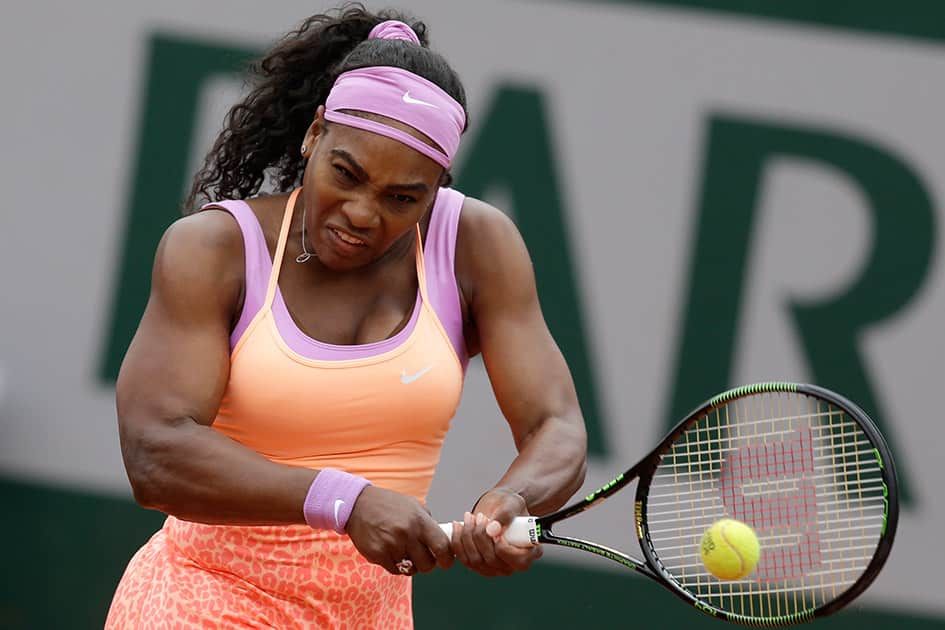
x=772, y=622
x=882, y=532
x=607, y=486
x=755, y=388
x=604, y=552
x=879, y=458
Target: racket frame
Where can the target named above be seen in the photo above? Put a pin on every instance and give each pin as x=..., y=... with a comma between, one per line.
x=644, y=470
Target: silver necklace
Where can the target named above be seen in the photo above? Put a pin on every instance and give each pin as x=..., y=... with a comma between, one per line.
x=305, y=255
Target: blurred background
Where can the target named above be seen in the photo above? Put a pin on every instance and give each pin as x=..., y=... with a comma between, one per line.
x=713, y=192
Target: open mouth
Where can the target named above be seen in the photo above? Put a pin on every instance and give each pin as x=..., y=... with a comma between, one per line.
x=345, y=240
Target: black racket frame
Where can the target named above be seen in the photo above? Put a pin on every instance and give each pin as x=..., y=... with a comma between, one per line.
x=644, y=470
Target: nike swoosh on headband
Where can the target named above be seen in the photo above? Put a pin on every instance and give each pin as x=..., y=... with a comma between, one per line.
x=415, y=101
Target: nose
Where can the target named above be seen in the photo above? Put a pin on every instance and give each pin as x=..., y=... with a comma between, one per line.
x=361, y=213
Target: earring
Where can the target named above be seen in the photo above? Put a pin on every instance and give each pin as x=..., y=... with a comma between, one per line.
x=303, y=150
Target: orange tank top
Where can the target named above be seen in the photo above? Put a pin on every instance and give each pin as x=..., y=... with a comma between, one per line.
x=383, y=417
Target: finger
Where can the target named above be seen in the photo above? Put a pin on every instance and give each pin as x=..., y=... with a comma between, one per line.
x=405, y=567
x=390, y=566
x=470, y=550
x=380, y=556
x=486, y=547
x=423, y=560
x=520, y=558
x=494, y=529
x=437, y=544
x=456, y=542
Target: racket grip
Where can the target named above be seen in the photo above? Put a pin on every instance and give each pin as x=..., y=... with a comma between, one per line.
x=522, y=532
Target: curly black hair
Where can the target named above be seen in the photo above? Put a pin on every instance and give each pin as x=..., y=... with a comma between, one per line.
x=261, y=134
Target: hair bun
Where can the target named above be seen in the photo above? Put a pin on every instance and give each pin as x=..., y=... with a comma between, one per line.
x=394, y=29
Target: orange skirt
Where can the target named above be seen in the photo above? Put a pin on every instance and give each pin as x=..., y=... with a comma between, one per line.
x=191, y=575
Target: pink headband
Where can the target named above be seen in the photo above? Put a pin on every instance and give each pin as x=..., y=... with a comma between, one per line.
x=402, y=96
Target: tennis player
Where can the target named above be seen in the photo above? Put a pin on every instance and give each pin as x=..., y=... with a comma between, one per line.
x=292, y=379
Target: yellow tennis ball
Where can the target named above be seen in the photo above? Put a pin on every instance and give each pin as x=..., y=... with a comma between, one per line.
x=730, y=549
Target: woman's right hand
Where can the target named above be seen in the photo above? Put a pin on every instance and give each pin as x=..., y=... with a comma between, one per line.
x=388, y=527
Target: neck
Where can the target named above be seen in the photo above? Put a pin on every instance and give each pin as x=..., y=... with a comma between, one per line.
x=401, y=252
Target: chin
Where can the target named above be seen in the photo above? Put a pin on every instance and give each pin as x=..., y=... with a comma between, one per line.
x=336, y=262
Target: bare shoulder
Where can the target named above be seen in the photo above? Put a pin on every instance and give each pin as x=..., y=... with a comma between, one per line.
x=490, y=250
x=484, y=233
x=482, y=223
x=201, y=255
x=209, y=237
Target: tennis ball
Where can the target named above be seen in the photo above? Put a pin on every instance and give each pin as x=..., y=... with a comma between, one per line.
x=730, y=549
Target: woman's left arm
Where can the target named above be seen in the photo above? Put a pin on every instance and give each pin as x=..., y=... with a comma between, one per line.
x=532, y=385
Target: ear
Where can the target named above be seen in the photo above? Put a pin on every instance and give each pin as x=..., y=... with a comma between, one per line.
x=446, y=179
x=314, y=131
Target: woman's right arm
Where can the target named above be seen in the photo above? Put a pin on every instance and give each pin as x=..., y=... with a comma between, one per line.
x=171, y=382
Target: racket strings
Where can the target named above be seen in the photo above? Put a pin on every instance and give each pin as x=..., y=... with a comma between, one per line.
x=800, y=472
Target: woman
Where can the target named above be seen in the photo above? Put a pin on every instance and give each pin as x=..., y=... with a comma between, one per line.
x=289, y=387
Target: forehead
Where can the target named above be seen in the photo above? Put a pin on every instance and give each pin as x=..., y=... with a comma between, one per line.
x=373, y=151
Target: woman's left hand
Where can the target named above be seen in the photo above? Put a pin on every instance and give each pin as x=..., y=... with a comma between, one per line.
x=479, y=543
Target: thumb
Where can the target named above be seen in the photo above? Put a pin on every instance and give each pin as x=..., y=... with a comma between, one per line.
x=511, y=505
x=494, y=529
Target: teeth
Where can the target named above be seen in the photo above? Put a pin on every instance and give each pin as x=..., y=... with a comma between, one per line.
x=349, y=239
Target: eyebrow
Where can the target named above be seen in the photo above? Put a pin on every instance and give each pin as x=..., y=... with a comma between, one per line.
x=360, y=172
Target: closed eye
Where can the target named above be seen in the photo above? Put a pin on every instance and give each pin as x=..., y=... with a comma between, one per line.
x=344, y=173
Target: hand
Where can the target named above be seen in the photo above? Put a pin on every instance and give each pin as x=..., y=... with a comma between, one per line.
x=388, y=527
x=479, y=543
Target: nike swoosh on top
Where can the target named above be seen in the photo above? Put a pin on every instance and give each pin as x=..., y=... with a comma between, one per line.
x=406, y=379
x=338, y=504
x=415, y=101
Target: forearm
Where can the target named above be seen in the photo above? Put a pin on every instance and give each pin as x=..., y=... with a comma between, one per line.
x=550, y=466
x=192, y=472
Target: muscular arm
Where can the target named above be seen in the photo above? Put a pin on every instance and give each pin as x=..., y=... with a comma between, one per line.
x=171, y=383
x=529, y=376
x=169, y=390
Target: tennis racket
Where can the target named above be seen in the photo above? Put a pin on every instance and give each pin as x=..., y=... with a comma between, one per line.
x=803, y=466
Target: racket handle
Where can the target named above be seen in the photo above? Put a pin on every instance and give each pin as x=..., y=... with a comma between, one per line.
x=523, y=531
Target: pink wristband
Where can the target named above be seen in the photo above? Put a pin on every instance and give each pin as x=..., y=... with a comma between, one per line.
x=331, y=498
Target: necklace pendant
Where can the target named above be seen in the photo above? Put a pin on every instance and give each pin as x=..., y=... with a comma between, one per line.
x=303, y=257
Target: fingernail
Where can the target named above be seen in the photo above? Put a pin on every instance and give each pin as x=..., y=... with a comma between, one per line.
x=468, y=518
x=493, y=528
x=480, y=518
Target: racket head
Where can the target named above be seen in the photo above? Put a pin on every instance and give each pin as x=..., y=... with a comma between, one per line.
x=805, y=468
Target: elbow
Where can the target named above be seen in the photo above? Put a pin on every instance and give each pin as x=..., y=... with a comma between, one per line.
x=143, y=477
x=143, y=456
x=143, y=488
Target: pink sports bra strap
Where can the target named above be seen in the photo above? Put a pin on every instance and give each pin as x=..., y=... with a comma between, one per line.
x=440, y=256
x=257, y=265
x=435, y=256
x=280, y=254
